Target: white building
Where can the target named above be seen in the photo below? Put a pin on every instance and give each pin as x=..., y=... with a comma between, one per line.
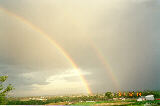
x=149, y=97
x=142, y=98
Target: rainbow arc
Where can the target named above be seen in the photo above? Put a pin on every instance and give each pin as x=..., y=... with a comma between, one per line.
x=53, y=42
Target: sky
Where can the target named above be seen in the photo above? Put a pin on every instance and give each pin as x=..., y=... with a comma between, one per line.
x=113, y=43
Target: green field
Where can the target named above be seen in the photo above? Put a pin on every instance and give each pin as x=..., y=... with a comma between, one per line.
x=51, y=102
x=127, y=103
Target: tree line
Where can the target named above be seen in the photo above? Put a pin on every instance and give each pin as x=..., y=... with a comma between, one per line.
x=132, y=94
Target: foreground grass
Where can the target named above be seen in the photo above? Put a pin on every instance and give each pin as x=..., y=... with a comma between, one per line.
x=30, y=102
x=130, y=103
x=102, y=102
x=157, y=102
x=37, y=102
x=52, y=102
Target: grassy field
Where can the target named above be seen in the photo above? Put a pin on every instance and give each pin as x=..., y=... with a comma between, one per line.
x=155, y=102
x=127, y=103
x=105, y=102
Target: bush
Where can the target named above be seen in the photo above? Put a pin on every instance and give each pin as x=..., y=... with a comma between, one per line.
x=4, y=90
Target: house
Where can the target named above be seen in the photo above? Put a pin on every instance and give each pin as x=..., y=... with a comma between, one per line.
x=149, y=97
x=115, y=99
x=90, y=101
x=142, y=98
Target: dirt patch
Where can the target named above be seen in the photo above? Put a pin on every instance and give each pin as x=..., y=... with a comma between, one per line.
x=118, y=103
x=60, y=103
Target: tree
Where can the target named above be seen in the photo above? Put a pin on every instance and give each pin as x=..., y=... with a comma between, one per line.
x=4, y=89
x=109, y=95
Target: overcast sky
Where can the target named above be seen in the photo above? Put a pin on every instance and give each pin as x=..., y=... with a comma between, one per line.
x=126, y=32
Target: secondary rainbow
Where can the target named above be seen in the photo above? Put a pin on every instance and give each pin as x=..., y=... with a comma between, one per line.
x=53, y=42
x=98, y=53
x=102, y=59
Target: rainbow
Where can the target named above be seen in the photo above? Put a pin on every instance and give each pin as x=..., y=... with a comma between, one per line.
x=101, y=57
x=103, y=61
x=53, y=42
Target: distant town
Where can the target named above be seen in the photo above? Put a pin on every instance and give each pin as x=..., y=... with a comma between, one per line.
x=108, y=98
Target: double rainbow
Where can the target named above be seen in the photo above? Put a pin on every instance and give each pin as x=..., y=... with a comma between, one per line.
x=98, y=53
